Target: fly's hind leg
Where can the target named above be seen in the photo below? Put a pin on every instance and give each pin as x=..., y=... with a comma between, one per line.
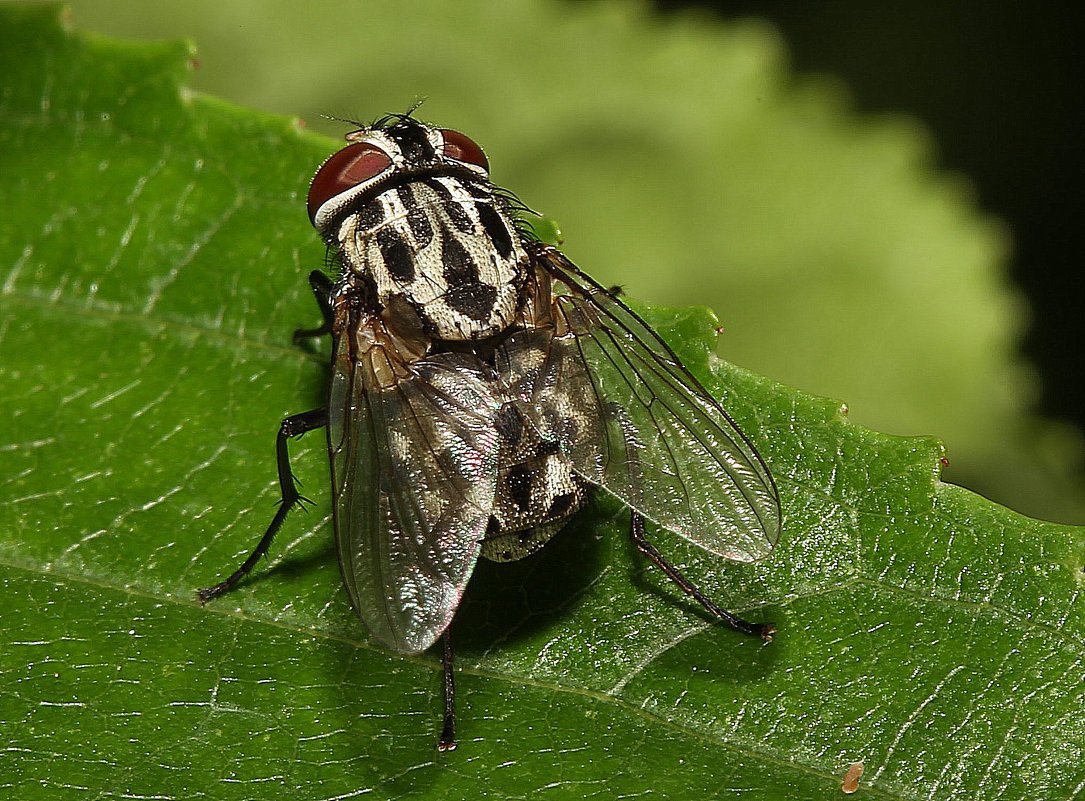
x=292, y=426
x=448, y=729
x=640, y=539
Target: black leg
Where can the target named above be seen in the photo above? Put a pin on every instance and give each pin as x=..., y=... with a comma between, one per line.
x=448, y=730
x=322, y=289
x=636, y=532
x=292, y=426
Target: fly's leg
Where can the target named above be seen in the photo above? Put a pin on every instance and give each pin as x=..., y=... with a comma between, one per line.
x=322, y=289
x=448, y=730
x=640, y=539
x=292, y=426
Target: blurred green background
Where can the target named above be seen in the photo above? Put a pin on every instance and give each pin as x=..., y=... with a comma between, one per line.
x=688, y=159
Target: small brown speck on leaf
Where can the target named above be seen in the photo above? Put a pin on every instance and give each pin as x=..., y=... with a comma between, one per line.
x=851, y=778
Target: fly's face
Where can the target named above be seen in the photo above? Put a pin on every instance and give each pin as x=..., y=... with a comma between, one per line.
x=417, y=223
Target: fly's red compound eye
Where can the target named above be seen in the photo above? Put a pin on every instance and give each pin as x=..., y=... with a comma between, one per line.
x=463, y=148
x=353, y=165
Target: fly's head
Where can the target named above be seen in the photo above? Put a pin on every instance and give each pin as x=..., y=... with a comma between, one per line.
x=412, y=214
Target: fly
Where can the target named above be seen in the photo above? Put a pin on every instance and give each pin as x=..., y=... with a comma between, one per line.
x=481, y=387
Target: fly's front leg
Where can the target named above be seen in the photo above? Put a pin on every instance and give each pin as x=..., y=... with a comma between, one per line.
x=292, y=426
x=640, y=539
x=322, y=289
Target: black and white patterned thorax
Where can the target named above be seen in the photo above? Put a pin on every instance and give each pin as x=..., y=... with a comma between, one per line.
x=421, y=230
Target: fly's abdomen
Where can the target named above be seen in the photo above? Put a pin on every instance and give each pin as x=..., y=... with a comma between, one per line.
x=537, y=490
x=448, y=247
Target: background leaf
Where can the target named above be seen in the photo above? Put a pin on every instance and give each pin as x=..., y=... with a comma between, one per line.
x=154, y=247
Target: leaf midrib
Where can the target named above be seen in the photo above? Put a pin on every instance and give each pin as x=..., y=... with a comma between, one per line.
x=617, y=702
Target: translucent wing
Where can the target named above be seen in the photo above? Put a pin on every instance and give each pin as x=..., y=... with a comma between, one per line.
x=633, y=420
x=414, y=465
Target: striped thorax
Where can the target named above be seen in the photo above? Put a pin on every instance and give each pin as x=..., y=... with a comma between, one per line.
x=419, y=227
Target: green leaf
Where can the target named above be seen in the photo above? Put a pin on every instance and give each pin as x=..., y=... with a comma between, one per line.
x=154, y=248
